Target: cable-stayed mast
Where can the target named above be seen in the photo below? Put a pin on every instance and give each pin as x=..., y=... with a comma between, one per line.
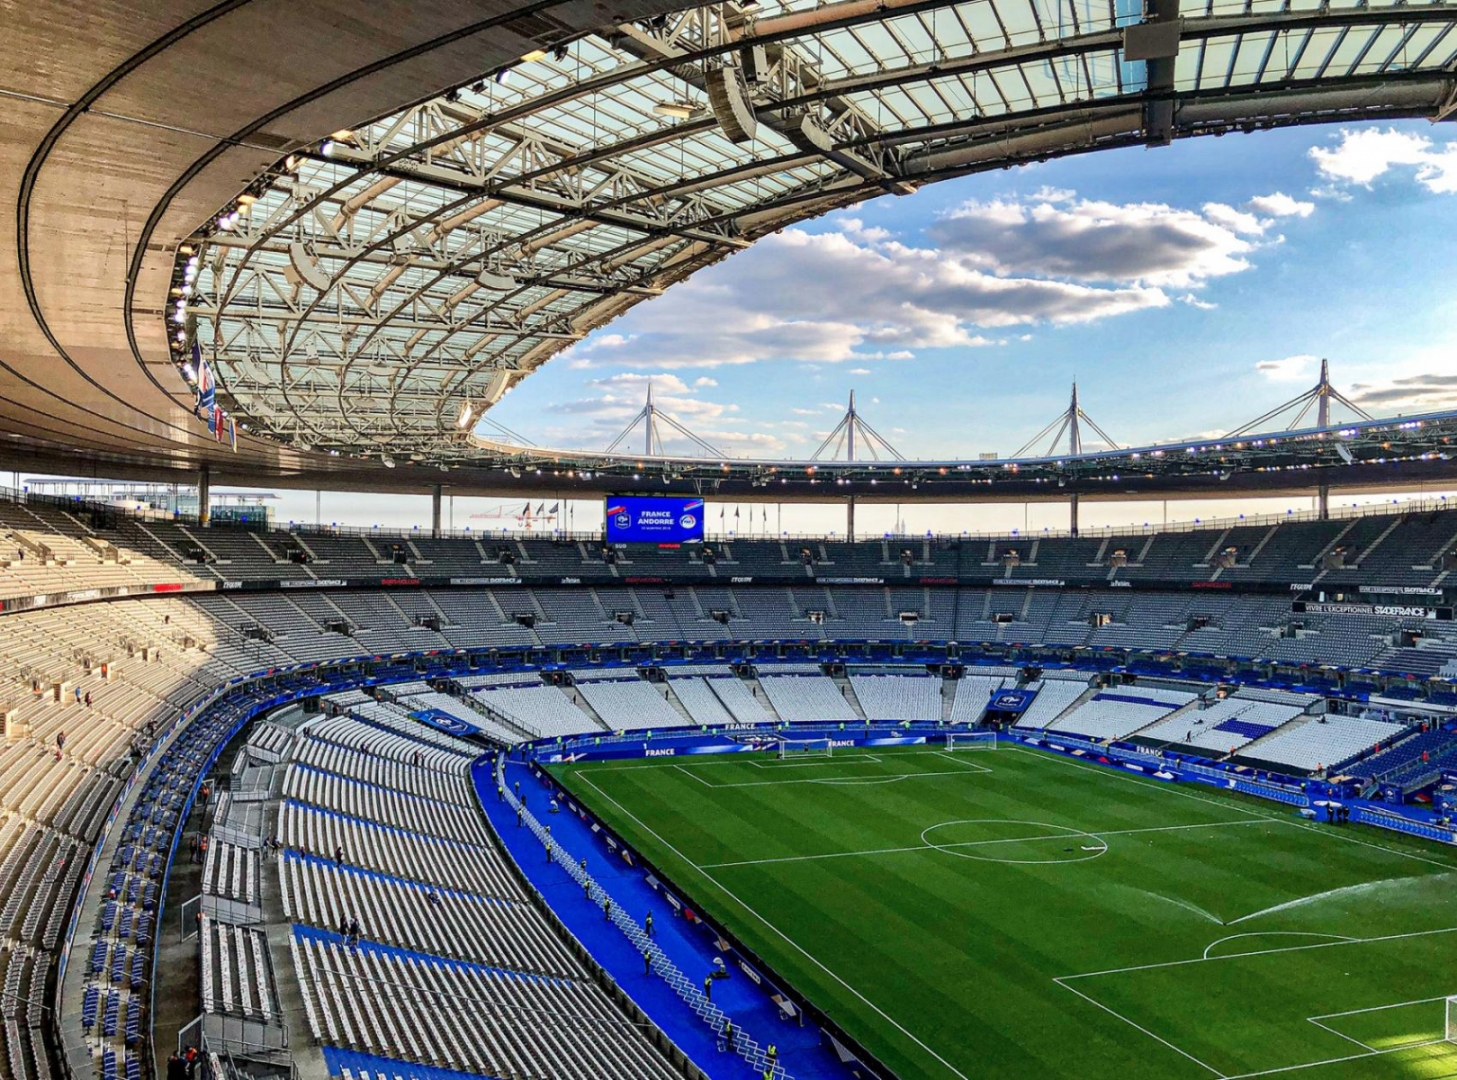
x=1320, y=397
x=1068, y=422
x=852, y=427
x=653, y=420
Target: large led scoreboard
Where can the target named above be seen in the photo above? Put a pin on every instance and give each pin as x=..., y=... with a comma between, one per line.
x=654, y=519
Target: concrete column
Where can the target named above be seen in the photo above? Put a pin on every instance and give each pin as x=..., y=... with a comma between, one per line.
x=435, y=511
x=1323, y=502
x=850, y=517
x=204, y=497
x=1072, y=504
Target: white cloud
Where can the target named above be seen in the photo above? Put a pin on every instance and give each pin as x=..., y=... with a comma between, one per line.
x=1363, y=155
x=704, y=380
x=1148, y=244
x=860, y=370
x=1194, y=301
x=1414, y=394
x=1289, y=369
x=845, y=297
x=858, y=294
x=1278, y=204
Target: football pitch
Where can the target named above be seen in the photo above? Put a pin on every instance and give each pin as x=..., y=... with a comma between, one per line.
x=1015, y=913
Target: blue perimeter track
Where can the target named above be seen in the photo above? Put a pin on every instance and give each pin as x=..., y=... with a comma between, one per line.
x=689, y=945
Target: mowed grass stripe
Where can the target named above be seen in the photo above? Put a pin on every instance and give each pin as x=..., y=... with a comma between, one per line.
x=945, y=966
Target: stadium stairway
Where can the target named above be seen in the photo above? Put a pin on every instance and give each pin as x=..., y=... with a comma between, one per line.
x=848, y=693
x=688, y=945
x=672, y=699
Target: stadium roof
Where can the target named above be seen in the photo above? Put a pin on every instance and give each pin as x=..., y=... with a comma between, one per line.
x=530, y=172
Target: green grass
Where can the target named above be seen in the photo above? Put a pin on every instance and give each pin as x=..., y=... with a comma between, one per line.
x=1018, y=914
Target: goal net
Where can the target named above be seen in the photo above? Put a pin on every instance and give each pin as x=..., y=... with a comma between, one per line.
x=802, y=748
x=971, y=740
x=1452, y=1019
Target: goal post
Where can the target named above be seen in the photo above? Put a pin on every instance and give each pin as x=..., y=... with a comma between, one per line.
x=971, y=740
x=803, y=748
x=1451, y=1033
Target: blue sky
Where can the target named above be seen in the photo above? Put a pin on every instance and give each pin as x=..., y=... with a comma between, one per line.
x=1187, y=289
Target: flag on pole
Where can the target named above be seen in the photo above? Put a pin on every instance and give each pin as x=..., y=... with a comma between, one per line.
x=206, y=388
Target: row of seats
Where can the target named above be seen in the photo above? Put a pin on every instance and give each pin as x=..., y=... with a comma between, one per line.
x=898, y=697
x=1325, y=742
x=452, y=966
x=237, y=978
x=806, y=698
x=1119, y=712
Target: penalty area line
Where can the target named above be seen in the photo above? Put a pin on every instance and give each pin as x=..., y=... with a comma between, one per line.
x=1139, y=1027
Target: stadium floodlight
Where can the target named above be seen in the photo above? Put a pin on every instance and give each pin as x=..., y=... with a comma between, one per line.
x=803, y=748
x=971, y=740
x=680, y=110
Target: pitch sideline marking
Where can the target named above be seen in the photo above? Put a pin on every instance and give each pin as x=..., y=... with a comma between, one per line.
x=788, y=940
x=1140, y=1027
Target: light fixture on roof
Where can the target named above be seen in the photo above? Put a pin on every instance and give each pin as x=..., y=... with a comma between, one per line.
x=467, y=415
x=533, y=56
x=496, y=282
x=387, y=461
x=681, y=110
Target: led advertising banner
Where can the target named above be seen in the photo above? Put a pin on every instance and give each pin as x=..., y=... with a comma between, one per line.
x=654, y=519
